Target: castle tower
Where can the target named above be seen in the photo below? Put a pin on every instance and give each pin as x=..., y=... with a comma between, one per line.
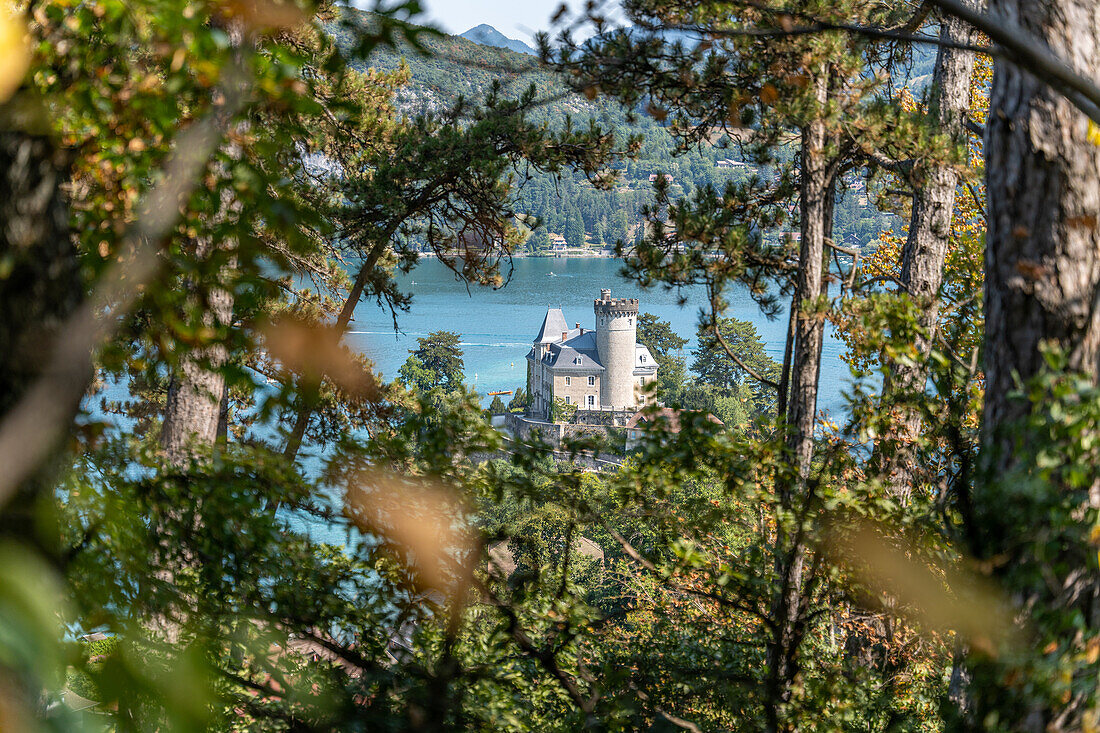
x=616, y=334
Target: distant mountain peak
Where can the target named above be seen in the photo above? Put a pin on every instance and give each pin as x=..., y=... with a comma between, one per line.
x=487, y=35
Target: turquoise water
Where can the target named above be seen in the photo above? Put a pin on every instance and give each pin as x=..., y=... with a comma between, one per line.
x=497, y=326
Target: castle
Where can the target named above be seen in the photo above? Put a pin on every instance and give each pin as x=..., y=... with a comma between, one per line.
x=605, y=369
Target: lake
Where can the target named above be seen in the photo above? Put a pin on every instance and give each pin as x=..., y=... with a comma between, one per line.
x=498, y=326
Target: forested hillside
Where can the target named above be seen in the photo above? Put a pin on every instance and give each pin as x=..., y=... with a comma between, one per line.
x=571, y=208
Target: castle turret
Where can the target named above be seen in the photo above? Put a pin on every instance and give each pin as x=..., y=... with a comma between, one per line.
x=616, y=334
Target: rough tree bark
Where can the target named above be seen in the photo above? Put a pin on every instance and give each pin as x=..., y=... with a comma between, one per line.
x=40, y=286
x=790, y=605
x=1042, y=284
x=926, y=246
x=1043, y=251
x=197, y=385
x=809, y=326
x=196, y=390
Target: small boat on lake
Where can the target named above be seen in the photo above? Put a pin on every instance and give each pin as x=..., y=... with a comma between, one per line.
x=551, y=274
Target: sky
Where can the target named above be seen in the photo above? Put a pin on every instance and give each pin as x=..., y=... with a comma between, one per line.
x=519, y=19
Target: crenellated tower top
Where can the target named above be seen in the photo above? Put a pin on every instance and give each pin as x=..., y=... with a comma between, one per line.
x=608, y=306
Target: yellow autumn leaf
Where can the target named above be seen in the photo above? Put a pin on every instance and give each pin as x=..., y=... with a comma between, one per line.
x=15, y=51
x=1094, y=133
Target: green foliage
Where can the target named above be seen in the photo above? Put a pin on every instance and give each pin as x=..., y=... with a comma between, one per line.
x=714, y=366
x=732, y=407
x=539, y=241
x=435, y=363
x=455, y=66
x=518, y=403
x=562, y=412
x=657, y=335
x=574, y=230
x=1047, y=489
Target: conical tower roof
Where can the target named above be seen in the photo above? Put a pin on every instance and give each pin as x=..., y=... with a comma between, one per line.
x=552, y=326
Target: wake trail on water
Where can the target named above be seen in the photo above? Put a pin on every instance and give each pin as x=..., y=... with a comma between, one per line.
x=506, y=344
x=477, y=344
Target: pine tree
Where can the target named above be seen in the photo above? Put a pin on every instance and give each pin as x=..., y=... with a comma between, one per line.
x=435, y=363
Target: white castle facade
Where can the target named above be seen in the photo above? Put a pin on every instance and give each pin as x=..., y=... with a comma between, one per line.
x=601, y=369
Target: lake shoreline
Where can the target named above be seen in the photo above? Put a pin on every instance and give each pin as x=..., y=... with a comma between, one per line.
x=497, y=325
x=527, y=255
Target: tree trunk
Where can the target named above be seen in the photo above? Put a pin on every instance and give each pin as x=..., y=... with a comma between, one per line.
x=810, y=325
x=926, y=246
x=305, y=412
x=222, y=439
x=789, y=607
x=1043, y=244
x=1042, y=284
x=193, y=413
x=40, y=287
x=193, y=409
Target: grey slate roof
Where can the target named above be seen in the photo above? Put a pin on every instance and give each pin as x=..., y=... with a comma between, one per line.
x=577, y=352
x=552, y=326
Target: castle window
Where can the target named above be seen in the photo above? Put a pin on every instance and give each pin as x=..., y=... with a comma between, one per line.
x=567, y=399
x=567, y=381
x=591, y=381
x=591, y=400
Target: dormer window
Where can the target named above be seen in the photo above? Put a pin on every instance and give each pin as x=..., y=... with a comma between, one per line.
x=643, y=358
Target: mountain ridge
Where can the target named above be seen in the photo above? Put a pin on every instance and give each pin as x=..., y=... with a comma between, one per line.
x=486, y=35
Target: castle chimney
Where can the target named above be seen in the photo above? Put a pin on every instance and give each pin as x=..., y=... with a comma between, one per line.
x=576, y=325
x=564, y=335
x=605, y=294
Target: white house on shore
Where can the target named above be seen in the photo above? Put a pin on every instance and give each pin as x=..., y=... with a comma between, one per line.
x=601, y=369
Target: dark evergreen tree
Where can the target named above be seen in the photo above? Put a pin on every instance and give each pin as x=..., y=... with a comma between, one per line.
x=436, y=362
